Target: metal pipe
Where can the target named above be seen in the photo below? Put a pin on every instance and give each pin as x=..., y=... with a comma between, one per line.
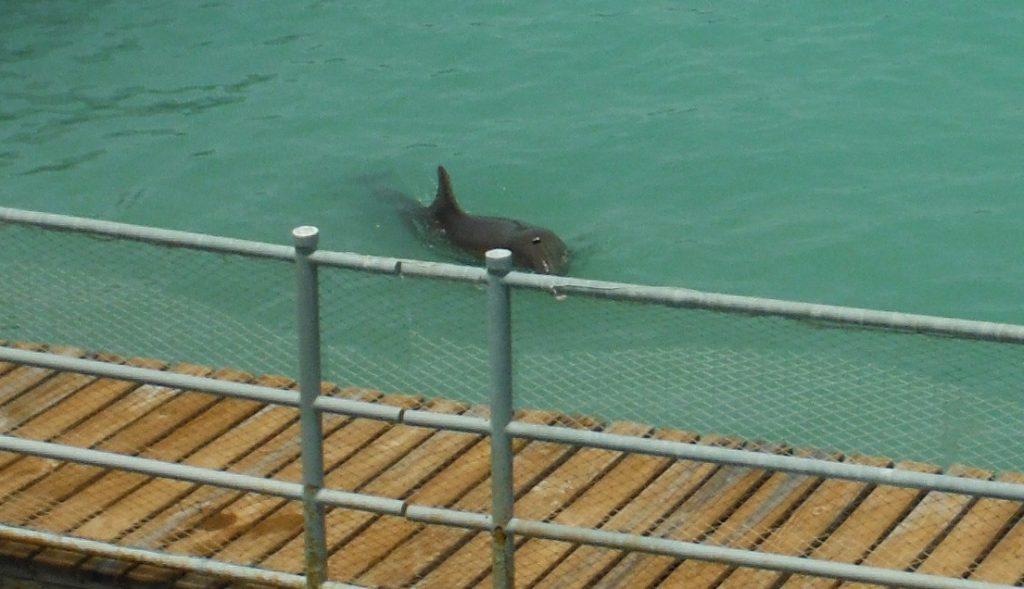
x=446, y=421
x=213, y=386
x=675, y=297
x=353, y=408
x=241, y=482
x=450, y=517
x=361, y=502
x=139, y=555
x=400, y=267
x=185, y=382
x=739, y=557
x=764, y=460
x=151, y=467
x=307, y=296
x=805, y=466
x=153, y=235
x=693, y=299
x=499, y=311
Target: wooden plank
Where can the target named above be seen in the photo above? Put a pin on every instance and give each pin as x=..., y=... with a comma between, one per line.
x=1005, y=562
x=748, y=525
x=430, y=546
x=586, y=564
x=66, y=479
x=471, y=562
x=100, y=496
x=209, y=511
x=60, y=402
x=822, y=510
x=882, y=510
x=18, y=381
x=882, y=526
x=414, y=467
x=376, y=542
x=257, y=523
x=968, y=541
x=690, y=521
x=621, y=484
x=27, y=388
x=18, y=378
x=6, y=367
x=378, y=446
x=17, y=474
x=264, y=524
x=154, y=495
x=201, y=510
x=921, y=528
x=130, y=432
x=440, y=452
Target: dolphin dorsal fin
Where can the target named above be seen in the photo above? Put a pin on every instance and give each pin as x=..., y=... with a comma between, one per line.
x=445, y=201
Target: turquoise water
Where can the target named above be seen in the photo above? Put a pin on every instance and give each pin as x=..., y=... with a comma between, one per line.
x=864, y=154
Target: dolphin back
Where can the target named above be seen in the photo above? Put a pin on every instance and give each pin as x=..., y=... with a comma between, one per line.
x=532, y=247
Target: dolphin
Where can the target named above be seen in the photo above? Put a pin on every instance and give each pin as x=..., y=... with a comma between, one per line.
x=532, y=247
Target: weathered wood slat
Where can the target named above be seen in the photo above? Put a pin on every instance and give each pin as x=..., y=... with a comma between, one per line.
x=972, y=536
x=822, y=510
x=688, y=521
x=745, y=527
x=136, y=430
x=118, y=500
x=216, y=516
x=921, y=528
x=430, y=546
x=846, y=521
x=586, y=563
x=468, y=565
x=369, y=449
x=1005, y=562
x=616, y=488
x=375, y=543
x=879, y=512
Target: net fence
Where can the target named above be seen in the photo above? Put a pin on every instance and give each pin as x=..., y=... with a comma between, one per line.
x=135, y=299
x=801, y=388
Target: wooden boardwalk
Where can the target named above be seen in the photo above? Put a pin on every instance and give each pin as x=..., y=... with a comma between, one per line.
x=829, y=519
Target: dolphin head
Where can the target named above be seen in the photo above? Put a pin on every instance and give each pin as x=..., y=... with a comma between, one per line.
x=540, y=250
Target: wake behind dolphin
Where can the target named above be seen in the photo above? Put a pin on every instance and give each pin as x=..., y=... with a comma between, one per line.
x=533, y=248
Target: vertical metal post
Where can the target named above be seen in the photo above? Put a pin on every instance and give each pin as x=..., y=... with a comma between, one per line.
x=308, y=305
x=499, y=263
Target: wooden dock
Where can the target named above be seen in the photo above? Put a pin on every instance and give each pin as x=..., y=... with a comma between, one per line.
x=838, y=520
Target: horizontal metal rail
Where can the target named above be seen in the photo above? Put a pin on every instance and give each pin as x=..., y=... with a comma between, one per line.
x=251, y=392
x=738, y=557
x=423, y=514
x=675, y=297
x=836, y=315
x=166, y=237
x=243, y=482
x=548, y=433
x=208, y=566
x=775, y=462
x=316, y=497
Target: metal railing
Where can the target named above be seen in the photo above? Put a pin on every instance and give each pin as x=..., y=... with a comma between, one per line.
x=501, y=523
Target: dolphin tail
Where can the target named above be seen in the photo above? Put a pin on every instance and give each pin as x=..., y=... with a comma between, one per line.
x=445, y=201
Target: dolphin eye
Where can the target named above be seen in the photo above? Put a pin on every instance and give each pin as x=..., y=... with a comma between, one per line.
x=535, y=240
